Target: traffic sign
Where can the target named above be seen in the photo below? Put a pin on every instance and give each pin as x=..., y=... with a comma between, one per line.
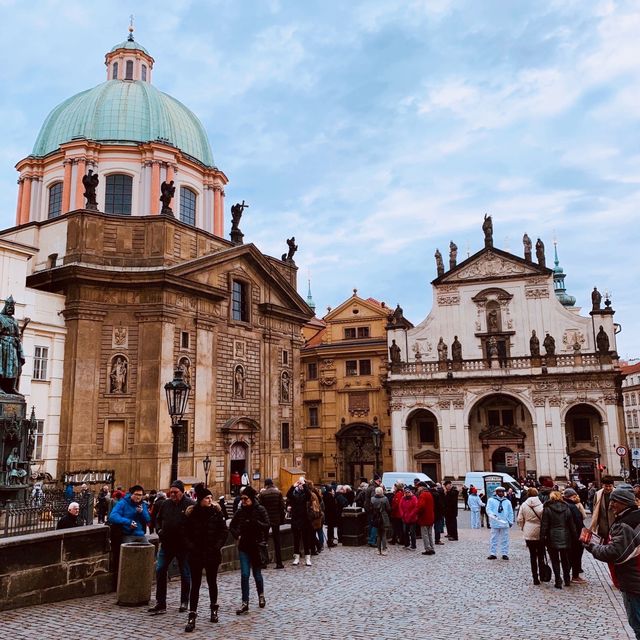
x=636, y=463
x=635, y=454
x=621, y=451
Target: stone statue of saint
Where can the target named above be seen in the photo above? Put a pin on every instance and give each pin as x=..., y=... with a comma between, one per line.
x=11, y=353
x=238, y=382
x=487, y=227
x=492, y=321
x=443, y=350
x=285, y=386
x=185, y=366
x=492, y=348
x=236, y=214
x=394, y=353
x=90, y=182
x=293, y=247
x=439, y=263
x=526, y=241
x=456, y=350
x=602, y=342
x=534, y=345
x=540, y=253
x=549, y=345
x=596, y=299
x=453, y=255
x=118, y=376
x=168, y=191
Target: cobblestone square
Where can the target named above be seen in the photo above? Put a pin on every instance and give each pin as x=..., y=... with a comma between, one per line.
x=354, y=593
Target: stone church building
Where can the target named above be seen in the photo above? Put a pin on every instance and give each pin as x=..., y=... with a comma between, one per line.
x=505, y=374
x=145, y=292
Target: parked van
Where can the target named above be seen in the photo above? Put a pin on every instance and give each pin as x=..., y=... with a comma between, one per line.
x=389, y=478
x=476, y=478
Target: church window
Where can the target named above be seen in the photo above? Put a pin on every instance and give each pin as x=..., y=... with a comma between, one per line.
x=240, y=301
x=117, y=197
x=427, y=431
x=285, y=439
x=188, y=200
x=114, y=73
x=144, y=73
x=129, y=70
x=55, y=200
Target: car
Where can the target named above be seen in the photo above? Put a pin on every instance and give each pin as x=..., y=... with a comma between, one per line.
x=389, y=478
x=476, y=478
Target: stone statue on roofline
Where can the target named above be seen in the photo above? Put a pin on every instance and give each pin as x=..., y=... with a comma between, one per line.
x=526, y=241
x=487, y=228
x=236, y=213
x=596, y=299
x=439, y=263
x=453, y=255
x=540, y=253
x=293, y=247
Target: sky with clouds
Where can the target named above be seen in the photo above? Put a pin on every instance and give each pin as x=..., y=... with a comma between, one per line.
x=376, y=131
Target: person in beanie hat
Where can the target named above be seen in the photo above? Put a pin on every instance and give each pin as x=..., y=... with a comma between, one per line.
x=623, y=551
x=207, y=532
x=250, y=526
x=170, y=524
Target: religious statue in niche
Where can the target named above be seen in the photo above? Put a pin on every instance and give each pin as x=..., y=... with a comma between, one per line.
x=456, y=350
x=238, y=381
x=118, y=374
x=184, y=364
x=534, y=345
x=443, y=350
x=526, y=241
x=549, y=345
x=285, y=387
x=493, y=324
x=602, y=342
x=394, y=353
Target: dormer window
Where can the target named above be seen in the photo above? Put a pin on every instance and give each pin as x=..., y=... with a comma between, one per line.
x=129, y=70
x=114, y=73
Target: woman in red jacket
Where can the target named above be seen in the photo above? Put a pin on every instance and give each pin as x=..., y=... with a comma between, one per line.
x=396, y=518
x=409, y=514
x=426, y=518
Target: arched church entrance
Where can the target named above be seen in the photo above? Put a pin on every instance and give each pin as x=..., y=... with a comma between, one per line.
x=583, y=428
x=501, y=436
x=424, y=442
x=356, y=453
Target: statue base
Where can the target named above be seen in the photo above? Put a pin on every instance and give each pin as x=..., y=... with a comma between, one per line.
x=167, y=211
x=236, y=236
x=16, y=449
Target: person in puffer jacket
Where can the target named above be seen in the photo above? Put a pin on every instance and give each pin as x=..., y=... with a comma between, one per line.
x=409, y=515
x=132, y=515
x=623, y=551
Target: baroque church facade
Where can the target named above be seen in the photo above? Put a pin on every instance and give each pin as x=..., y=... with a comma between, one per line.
x=147, y=288
x=505, y=374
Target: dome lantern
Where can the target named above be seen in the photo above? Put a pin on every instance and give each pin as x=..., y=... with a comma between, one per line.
x=129, y=61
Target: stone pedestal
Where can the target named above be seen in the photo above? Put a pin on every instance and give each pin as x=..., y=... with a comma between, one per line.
x=14, y=438
x=354, y=523
x=135, y=573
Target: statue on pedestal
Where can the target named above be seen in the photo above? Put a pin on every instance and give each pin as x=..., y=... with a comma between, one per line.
x=439, y=263
x=443, y=350
x=11, y=353
x=596, y=299
x=453, y=255
x=90, y=183
x=236, y=213
x=534, y=345
x=526, y=241
x=549, y=345
x=168, y=191
x=540, y=253
x=487, y=227
x=394, y=353
x=602, y=342
x=456, y=350
x=293, y=247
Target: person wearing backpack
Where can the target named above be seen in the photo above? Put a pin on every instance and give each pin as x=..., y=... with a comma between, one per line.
x=380, y=518
x=623, y=551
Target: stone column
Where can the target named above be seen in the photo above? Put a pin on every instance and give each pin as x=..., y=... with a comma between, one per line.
x=80, y=172
x=26, y=201
x=218, y=214
x=205, y=384
x=447, y=443
x=399, y=438
x=66, y=186
x=20, y=195
x=154, y=205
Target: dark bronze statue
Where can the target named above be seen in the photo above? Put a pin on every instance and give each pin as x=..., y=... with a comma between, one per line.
x=293, y=247
x=526, y=241
x=453, y=255
x=456, y=350
x=236, y=214
x=549, y=345
x=394, y=353
x=439, y=263
x=534, y=345
x=540, y=253
x=90, y=183
x=602, y=342
x=168, y=191
x=11, y=353
x=596, y=299
x=487, y=227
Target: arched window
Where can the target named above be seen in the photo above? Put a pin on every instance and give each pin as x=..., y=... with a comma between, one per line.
x=129, y=70
x=188, y=199
x=55, y=200
x=144, y=73
x=117, y=197
x=114, y=73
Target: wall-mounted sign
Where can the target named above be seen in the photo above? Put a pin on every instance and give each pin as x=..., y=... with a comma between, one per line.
x=89, y=477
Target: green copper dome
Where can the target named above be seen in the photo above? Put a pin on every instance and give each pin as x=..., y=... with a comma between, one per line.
x=130, y=43
x=125, y=111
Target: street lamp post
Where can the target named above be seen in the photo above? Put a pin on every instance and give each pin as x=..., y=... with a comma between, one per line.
x=177, y=392
x=206, y=465
x=377, y=445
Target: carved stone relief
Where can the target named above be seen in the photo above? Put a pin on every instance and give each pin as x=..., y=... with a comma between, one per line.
x=571, y=337
x=120, y=337
x=536, y=293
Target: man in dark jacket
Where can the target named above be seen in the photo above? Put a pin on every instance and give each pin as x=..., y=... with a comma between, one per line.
x=451, y=510
x=438, y=510
x=330, y=513
x=170, y=524
x=271, y=499
x=623, y=551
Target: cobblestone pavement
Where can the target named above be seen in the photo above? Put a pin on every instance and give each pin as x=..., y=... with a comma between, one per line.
x=354, y=593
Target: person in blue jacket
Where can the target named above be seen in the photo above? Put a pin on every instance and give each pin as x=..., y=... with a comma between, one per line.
x=500, y=513
x=132, y=515
x=475, y=505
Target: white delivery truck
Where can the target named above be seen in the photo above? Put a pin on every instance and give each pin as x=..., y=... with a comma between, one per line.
x=476, y=478
x=389, y=478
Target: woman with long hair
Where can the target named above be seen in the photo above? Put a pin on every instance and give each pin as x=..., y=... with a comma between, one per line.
x=557, y=532
x=530, y=520
x=207, y=532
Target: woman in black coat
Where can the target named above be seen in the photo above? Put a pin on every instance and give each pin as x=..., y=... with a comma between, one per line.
x=249, y=527
x=206, y=532
x=557, y=532
x=330, y=514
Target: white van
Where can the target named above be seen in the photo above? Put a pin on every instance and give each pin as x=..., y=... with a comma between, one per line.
x=476, y=478
x=389, y=478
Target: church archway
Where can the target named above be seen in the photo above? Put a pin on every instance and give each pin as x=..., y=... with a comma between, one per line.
x=356, y=453
x=424, y=442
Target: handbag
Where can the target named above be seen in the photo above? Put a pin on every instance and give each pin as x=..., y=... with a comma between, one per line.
x=544, y=569
x=263, y=547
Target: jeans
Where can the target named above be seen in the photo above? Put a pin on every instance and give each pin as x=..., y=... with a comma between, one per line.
x=499, y=535
x=438, y=528
x=536, y=556
x=632, y=605
x=410, y=534
x=275, y=534
x=210, y=565
x=475, y=519
x=165, y=556
x=373, y=532
x=245, y=572
x=381, y=539
x=319, y=538
x=427, y=536
x=560, y=556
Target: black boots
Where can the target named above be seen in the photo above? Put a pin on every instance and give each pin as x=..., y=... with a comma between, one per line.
x=261, y=601
x=243, y=609
x=191, y=622
x=214, y=613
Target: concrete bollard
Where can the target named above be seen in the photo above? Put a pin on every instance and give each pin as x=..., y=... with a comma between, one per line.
x=136, y=574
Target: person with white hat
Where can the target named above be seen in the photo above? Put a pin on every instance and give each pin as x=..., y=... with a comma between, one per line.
x=500, y=513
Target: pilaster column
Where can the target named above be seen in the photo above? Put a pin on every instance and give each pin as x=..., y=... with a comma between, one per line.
x=218, y=214
x=80, y=172
x=154, y=207
x=26, y=201
x=19, y=206
x=66, y=186
x=399, y=438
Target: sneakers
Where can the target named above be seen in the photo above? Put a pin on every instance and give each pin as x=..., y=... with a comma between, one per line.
x=158, y=608
x=492, y=557
x=296, y=559
x=505, y=557
x=307, y=561
x=384, y=552
x=262, y=603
